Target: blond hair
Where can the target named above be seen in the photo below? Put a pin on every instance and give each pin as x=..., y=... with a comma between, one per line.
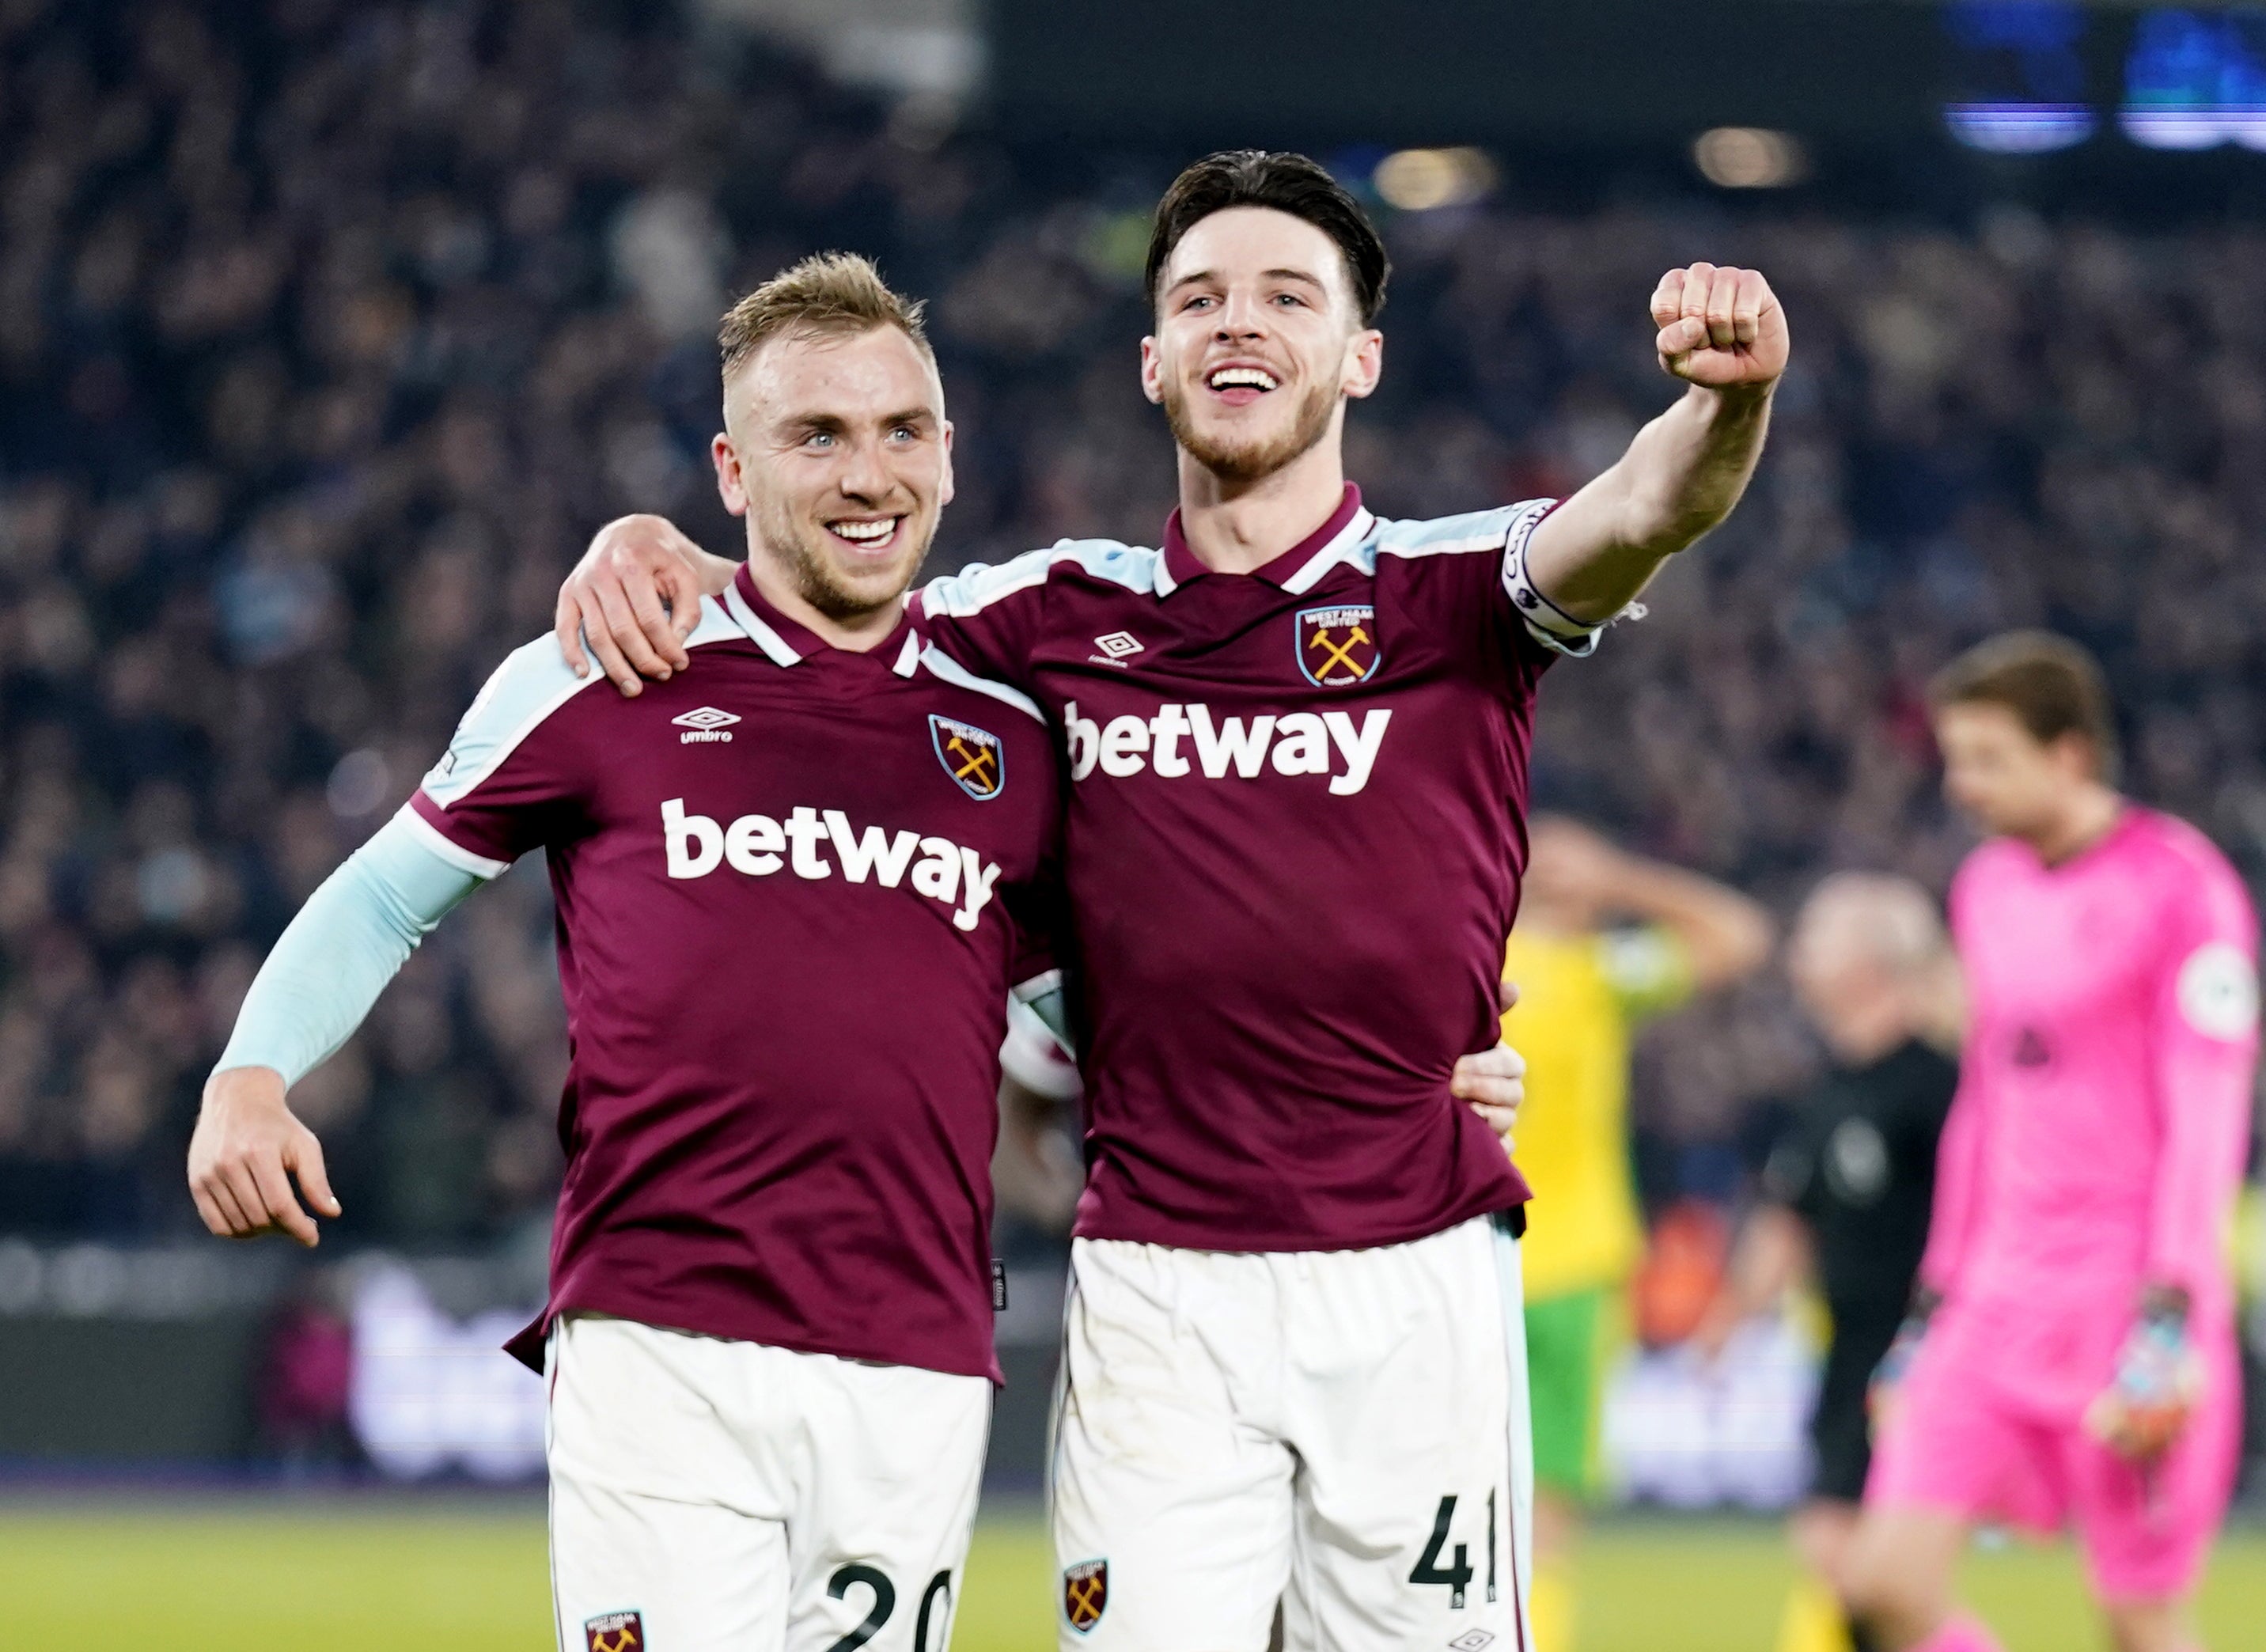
x=826, y=293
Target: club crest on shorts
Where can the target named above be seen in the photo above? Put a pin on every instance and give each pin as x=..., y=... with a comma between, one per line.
x=974, y=757
x=615, y=1632
x=1086, y=1593
x=1337, y=647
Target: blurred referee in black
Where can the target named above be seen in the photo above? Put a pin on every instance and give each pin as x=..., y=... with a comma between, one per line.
x=1846, y=1192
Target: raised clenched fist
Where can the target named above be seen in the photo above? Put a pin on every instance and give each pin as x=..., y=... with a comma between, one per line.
x=1719, y=327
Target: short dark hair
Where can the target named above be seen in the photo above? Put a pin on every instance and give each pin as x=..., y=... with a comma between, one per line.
x=1287, y=183
x=2051, y=685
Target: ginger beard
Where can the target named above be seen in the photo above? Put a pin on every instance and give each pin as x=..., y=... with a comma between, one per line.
x=1251, y=458
x=804, y=547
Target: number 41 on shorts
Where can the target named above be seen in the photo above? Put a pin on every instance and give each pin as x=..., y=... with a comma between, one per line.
x=1458, y=1575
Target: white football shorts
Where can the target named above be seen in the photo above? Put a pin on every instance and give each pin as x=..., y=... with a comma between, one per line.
x=709, y=1494
x=1343, y=1433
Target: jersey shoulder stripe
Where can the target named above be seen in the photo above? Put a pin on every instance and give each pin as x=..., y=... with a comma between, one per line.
x=1450, y=536
x=945, y=668
x=1506, y=529
x=522, y=693
x=980, y=584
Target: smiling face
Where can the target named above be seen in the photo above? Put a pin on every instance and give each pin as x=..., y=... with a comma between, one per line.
x=1259, y=341
x=837, y=449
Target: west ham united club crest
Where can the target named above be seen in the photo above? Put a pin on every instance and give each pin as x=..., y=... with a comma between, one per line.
x=616, y=1632
x=1337, y=647
x=1086, y=1593
x=972, y=756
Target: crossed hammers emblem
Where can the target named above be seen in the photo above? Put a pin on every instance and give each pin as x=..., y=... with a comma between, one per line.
x=976, y=767
x=1339, y=655
x=1084, y=1602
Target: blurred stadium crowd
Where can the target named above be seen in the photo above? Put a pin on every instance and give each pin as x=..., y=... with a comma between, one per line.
x=328, y=333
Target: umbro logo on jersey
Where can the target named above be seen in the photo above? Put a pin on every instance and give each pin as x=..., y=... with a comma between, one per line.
x=1118, y=644
x=1296, y=742
x=975, y=758
x=1472, y=1641
x=1337, y=647
x=705, y=725
x=615, y=1632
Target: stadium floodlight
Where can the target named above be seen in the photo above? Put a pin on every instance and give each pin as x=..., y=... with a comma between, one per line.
x=1419, y=180
x=2194, y=81
x=1749, y=158
x=2019, y=128
x=2020, y=69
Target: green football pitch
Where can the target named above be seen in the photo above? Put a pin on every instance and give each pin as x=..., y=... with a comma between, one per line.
x=440, y=1576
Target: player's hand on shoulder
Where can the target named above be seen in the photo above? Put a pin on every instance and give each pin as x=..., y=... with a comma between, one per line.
x=247, y=1148
x=634, y=597
x=1720, y=327
x=1493, y=1084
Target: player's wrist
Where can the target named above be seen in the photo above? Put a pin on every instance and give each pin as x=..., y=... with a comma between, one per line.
x=1738, y=401
x=2165, y=1305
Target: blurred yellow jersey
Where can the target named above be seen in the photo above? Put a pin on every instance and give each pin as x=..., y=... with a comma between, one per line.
x=1580, y=998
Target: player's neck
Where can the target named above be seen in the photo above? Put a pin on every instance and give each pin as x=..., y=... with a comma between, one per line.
x=860, y=633
x=2089, y=815
x=1234, y=527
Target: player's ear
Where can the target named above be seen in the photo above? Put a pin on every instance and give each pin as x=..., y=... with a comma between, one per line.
x=1365, y=363
x=730, y=485
x=944, y=488
x=1152, y=370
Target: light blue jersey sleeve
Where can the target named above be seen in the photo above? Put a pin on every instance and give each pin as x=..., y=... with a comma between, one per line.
x=350, y=939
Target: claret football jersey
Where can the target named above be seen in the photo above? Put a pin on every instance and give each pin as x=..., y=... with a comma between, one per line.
x=792, y=887
x=1294, y=832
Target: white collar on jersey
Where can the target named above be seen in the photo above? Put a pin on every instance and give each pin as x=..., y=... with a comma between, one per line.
x=759, y=632
x=1344, y=545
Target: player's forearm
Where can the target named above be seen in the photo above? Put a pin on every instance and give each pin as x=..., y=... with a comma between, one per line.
x=347, y=943
x=1727, y=936
x=1958, y=1193
x=2208, y=1129
x=1680, y=477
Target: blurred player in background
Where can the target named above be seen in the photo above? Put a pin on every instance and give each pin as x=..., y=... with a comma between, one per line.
x=1604, y=941
x=1297, y=739
x=1846, y=1194
x=2073, y=1356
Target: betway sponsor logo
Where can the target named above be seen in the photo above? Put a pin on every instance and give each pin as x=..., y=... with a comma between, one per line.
x=758, y=845
x=1298, y=743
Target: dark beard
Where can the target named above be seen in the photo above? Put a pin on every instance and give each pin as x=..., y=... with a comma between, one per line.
x=1250, y=464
